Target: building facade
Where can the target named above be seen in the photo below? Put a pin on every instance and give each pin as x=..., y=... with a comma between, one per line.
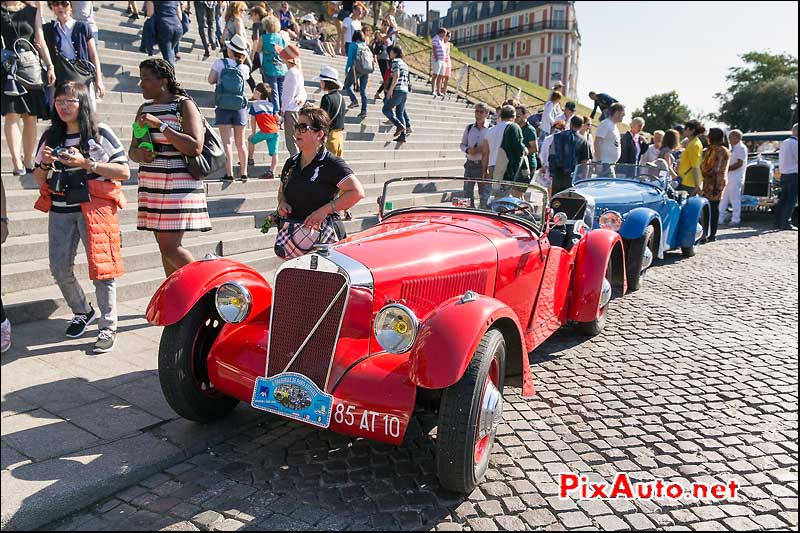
x=535, y=41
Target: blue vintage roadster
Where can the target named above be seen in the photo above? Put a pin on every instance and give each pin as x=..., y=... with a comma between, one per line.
x=639, y=202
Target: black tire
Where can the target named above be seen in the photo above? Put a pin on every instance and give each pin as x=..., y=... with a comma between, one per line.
x=596, y=326
x=692, y=250
x=633, y=258
x=459, y=412
x=182, y=359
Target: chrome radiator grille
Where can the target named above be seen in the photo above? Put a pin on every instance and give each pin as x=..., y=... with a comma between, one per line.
x=300, y=300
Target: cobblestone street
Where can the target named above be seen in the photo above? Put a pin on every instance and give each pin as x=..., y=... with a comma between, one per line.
x=694, y=379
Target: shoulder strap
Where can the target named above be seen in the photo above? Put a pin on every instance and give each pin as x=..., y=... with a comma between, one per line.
x=341, y=102
x=469, y=129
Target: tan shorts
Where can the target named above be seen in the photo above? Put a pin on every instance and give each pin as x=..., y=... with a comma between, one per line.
x=335, y=142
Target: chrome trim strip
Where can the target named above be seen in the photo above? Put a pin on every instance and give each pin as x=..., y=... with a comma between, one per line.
x=358, y=274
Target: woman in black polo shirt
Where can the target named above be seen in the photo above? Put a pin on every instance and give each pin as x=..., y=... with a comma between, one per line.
x=315, y=184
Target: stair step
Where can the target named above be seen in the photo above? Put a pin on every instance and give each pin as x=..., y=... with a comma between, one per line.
x=33, y=222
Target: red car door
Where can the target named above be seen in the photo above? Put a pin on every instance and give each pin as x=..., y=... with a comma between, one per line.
x=520, y=268
x=550, y=309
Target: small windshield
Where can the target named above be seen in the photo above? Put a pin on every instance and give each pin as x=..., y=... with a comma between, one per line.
x=520, y=201
x=651, y=173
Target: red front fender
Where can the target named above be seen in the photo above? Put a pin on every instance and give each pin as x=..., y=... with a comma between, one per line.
x=451, y=334
x=178, y=294
x=598, y=247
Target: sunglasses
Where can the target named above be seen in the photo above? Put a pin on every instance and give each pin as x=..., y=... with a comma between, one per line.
x=66, y=101
x=59, y=4
x=302, y=127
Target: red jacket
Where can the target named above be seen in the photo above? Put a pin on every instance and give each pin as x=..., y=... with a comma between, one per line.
x=102, y=225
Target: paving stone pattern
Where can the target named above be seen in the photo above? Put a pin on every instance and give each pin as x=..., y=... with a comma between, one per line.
x=694, y=379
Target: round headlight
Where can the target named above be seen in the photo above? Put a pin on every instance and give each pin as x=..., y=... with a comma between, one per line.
x=611, y=220
x=396, y=328
x=233, y=302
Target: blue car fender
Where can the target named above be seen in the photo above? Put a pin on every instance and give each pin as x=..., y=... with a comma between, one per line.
x=690, y=217
x=635, y=222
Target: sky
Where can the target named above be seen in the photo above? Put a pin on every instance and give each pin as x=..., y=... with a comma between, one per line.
x=632, y=50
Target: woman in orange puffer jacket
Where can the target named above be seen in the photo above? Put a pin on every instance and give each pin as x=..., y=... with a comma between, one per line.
x=79, y=167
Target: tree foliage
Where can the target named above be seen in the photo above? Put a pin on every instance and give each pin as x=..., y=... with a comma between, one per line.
x=762, y=94
x=662, y=111
x=761, y=106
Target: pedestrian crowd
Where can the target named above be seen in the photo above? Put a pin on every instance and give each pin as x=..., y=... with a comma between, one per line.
x=556, y=140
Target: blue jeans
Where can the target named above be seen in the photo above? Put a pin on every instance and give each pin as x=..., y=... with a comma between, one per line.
x=276, y=84
x=395, y=109
x=786, y=201
x=168, y=38
x=362, y=87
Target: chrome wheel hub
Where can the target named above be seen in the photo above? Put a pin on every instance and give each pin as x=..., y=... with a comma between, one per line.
x=605, y=293
x=491, y=410
x=647, y=258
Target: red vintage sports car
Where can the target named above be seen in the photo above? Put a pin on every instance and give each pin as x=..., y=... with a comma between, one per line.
x=439, y=299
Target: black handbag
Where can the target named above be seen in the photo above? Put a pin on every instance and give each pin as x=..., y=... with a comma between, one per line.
x=212, y=158
x=77, y=70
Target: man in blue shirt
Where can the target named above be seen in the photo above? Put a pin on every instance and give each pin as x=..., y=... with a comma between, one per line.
x=602, y=101
x=568, y=149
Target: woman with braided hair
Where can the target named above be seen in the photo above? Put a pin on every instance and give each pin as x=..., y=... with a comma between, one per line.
x=171, y=201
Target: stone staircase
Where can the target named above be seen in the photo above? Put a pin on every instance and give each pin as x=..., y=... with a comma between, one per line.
x=237, y=209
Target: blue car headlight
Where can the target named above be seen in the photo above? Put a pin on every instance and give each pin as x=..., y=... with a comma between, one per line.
x=610, y=220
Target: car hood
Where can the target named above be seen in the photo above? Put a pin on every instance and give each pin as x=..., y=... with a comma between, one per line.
x=607, y=193
x=423, y=261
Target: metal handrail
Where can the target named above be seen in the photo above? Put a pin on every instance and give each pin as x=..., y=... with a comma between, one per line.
x=474, y=83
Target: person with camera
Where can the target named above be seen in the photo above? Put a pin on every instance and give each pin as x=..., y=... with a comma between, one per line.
x=315, y=184
x=22, y=22
x=80, y=165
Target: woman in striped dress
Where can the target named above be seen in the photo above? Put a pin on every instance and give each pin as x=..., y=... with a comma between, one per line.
x=171, y=202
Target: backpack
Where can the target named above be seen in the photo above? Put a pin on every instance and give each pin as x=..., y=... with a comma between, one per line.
x=365, y=61
x=229, y=93
x=562, y=153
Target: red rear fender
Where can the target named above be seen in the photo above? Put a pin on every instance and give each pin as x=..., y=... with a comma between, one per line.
x=598, y=248
x=451, y=334
x=178, y=294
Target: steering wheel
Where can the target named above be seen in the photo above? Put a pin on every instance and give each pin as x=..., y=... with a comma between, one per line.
x=507, y=207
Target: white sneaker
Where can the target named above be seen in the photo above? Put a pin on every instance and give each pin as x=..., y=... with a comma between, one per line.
x=5, y=336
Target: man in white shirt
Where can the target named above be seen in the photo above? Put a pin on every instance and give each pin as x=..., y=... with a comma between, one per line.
x=787, y=161
x=607, y=147
x=491, y=148
x=733, y=188
x=350, y=25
